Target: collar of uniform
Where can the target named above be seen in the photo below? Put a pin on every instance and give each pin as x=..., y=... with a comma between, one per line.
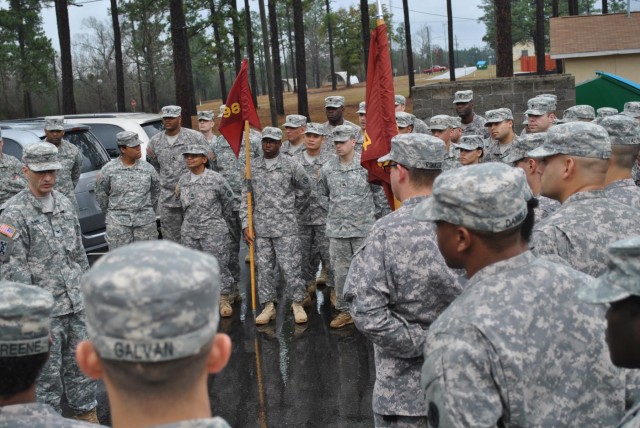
x=56, y=205
x=618, y=184
x=136, y=164
x=512, y=263
x=588, y=194
x=414, y=201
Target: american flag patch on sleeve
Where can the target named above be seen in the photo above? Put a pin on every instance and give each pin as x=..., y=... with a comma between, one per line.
x=7, y=230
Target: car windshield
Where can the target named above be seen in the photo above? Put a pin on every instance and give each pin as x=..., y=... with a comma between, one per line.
x=95, y=156
x=152, y=128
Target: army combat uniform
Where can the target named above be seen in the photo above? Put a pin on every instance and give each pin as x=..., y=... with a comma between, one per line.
x=12, y=179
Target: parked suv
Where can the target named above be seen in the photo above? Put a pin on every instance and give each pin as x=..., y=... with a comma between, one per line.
x=16, y=135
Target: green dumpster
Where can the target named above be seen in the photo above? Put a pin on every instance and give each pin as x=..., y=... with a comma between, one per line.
x=607, y=90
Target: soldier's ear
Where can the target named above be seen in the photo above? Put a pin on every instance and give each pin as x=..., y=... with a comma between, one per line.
x=88, y=360
x=220, y=353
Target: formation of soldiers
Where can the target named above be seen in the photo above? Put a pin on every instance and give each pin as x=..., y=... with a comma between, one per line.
x=478, y=293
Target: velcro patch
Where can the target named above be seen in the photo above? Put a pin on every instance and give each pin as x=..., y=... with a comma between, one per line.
x=5, y=248
x=7, y=230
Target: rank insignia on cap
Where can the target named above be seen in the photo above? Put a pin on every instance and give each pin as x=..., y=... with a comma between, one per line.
x=7, y=230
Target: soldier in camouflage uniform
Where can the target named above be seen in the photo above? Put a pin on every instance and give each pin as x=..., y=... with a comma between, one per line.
x=580, y=112
x=500, y=126
x=398, y=283
x=41, y=245
x=25, y=320
x=441, y=127
x=207, y=205
x=574, y=161
x=314, y=245
x=624, y=133
x=511, y=361
x=353, y=206
x=632, y=109
x=541, y=114
x=419, y=126
x=405, y=122
x=362, y=120
x=70, y=157
x=518, y=158
x=153, y=334
x=334, y=109
x=164, y=153
x=606, y=111
x=471, y=150
x=278, y=183
x=12, y=179
x=127, y=191
x=472, y=124
x=205, y=125
x=294, y=126
x=619, y=288
x=456, y=130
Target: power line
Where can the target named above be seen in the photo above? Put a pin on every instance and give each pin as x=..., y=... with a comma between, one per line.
x=435, y=14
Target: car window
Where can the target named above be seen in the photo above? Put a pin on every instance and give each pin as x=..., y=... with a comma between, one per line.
x=12, y=148
x=106, y=133
x=152, y=128
x=95, y=157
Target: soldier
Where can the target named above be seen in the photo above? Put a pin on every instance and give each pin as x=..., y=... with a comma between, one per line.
x=41, y=245
x=70, y=157
x=334, y=109
x=471, y=150
x=632, y=109
x=619, y=288
x=205, y=125
x=362, y=120
x=127, y=191
x=500, y=126
x=314, y=245
x=278, y=183
x=404, y=121
x=419, y=125
x=353, y=206
x=581, y=112
x=606, y=111
x=153, y=334
x=573, y=164
x=164, y=153
x=25, y=321
x=12, y=180
x=624, y=133
x=294, y=127
x=441, y=126
x=207, y=208
x=511, y=361
x=541, y=113
x=398, y=283
x=456, y=130
x=518, y=158
x=472, y=124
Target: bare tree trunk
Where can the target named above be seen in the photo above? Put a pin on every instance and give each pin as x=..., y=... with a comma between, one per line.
x=554, y=8
x=539, y=38
x=275, y=50
x=218, y=40
x=329, y=33
x=504, y=45
x=235, y=25
x=182, y=63
x=293, y=65
x=117, y=44
x=573, y=7
x=252, y=66
x=366, y=33
x=452, y=59
x=605, y=7
x=267, y=60
x=27, y=107
x=407, y=35
x=301, y=62
x=64, y=36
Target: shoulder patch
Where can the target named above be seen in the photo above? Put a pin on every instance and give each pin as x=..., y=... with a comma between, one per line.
x=7, y=230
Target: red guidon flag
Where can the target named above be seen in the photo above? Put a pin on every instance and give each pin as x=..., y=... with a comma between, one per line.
x=239, y=108
x=381, y=111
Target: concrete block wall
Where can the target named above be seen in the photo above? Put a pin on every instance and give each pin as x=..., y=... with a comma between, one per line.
x=489, y=94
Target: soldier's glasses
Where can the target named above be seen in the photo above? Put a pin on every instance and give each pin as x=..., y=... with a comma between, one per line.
x=387, y=165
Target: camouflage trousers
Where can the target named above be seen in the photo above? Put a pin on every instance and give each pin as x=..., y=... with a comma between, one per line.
x=284, y=250
x=170, y=222
x=61, y=372
x=341, y=251
x=236, y=239
x=218, y=245
x=314, y=247
x=399, y=421
x=119, y=235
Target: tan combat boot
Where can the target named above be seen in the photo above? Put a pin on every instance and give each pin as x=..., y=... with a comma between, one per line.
x=91, y=416
x=267, y=314
x=299, y=314
x=332, y=297
x=341, y=320
x=225, y=306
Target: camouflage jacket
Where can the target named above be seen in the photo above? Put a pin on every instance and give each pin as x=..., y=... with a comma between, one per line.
x=315, y=212
x=359, y=141
x=207, y=203
x=398, y=284
x=12, y=179
x=493, y=151
x=579, y=232
x=128, y=195
x=624, y=191
x=451, y=159
x=534, y=357
x=353, y=204
x=276, y=194
x=168, y=161
x=476, y=127
x=631, y=419
x=45, y=249
x=36, y=415
x=287, y=147
x=545, y=207
x=215, y=422
x=71, y=159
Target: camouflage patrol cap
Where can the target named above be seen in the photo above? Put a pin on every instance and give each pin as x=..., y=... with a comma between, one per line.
x=498, y=115
x=334, y=101
x=41, y=156
x=404, y=119
x=632, y=108
x=400, y=100
x=205, y=115
x=416, y=151
x=25, y=319
x=54, y=123
x=554, y=97
x=622, y=130
x=523, y=145
x=582, y=139
x=315, y=128
x=463, y=97
x=222, y=107
x=342, y=133
x=441, y=121
x=606, y=111
x=362, y=108
x=272, y=133
x=540, y=105
x=489, y=197
x=470, y=142
x=295, y=121
x=457, y=122
x=171, y=111
x=195, y=149
x=568, y=116
x=128, y=139
x=151, y=301
x=579, y=112
x=622, y=277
